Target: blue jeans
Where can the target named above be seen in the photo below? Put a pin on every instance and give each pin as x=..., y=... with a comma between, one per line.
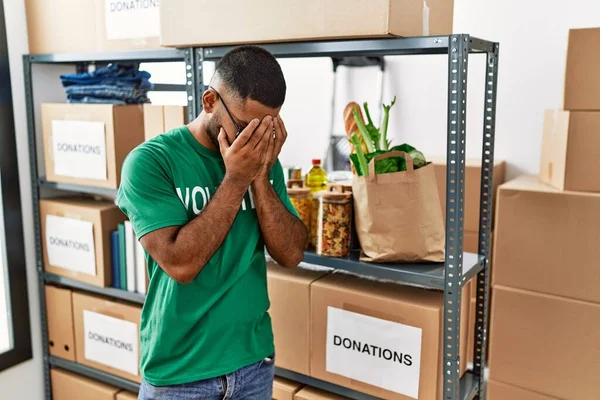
x=254, y=382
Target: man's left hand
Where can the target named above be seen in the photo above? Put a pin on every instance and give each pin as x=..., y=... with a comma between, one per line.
x=278, y=138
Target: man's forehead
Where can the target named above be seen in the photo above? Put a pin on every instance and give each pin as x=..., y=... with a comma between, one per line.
x=251, y=109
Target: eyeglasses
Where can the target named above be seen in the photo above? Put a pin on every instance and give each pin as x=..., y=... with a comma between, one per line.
x=237, y=127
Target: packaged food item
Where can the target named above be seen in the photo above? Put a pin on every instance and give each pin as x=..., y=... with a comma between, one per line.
x=295, y=184
x=316, y=179
x=295, y=173
x=334, y=220
x=314, y=215
x=302, y=201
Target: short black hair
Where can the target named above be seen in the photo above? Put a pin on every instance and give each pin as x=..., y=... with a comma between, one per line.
x=253, y=73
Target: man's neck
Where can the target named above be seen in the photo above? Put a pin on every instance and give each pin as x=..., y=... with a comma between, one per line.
x=198, y=130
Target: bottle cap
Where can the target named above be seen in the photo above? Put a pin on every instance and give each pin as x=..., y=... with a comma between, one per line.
x=316, y=161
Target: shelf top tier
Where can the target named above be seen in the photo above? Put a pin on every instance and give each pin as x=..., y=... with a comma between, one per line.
x=361, y=47
x=321, y=48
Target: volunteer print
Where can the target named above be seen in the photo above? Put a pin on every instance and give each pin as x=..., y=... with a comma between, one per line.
x=198, y=197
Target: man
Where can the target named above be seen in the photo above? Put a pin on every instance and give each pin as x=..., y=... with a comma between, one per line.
x=205, y=200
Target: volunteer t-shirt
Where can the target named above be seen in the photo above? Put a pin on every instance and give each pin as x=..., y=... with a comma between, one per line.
x=219, y=322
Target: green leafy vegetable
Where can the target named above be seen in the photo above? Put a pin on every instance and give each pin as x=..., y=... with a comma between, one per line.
x=358, y=158
x=418, y=159
x=376, y=142
x=384, y=123
x=407, y=148
x=372, y=129
x=364, y=133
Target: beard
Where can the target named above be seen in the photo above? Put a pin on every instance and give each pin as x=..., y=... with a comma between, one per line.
x=212, y=130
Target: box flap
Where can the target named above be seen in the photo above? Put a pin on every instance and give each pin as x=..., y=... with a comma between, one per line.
x=75, y=202
x=531, y=183
x=298, y=274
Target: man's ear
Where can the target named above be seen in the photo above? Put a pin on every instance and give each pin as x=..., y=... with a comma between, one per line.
x=209, y=99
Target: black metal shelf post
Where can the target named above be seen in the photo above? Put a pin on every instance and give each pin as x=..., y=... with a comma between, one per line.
x=485, y=213
x=450, y=276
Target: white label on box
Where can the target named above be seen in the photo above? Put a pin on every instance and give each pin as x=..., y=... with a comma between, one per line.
x=132, y=19
x=381, y=353
x=111, y=341
x=70, y=244
x=79, y=149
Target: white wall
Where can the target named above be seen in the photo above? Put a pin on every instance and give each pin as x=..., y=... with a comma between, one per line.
x=533, y=40
x=24, y=381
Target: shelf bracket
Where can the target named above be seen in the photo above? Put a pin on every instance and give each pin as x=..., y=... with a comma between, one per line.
x=458, y=54
x=485, y=215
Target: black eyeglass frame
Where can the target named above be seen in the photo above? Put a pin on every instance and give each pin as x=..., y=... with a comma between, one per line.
x=235, y=124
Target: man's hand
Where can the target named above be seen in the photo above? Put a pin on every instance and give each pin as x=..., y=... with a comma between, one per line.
x=277, y=139
x=245, y=158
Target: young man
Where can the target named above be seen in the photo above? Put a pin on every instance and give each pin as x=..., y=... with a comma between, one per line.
x=205, y=200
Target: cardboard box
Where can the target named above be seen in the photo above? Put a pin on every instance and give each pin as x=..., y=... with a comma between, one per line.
x=389, y=327
x=501, y=391
x=582, y=83
x=547, y=240
x=59, y=317
x=58, y=26
x=126, y=396
x=289, y=294
x=284, y=389
x=545, y=343
x=472, y=188
x=571, y=150
x=68, y=386
x=86, y=144
x=161, y=119
x=309, y=393
x=295, y=20
x=76, y=238
x=107, y=335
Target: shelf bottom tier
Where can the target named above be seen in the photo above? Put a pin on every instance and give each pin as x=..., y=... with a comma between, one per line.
x=469, y=387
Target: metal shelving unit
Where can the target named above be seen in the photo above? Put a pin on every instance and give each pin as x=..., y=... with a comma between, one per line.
x=450, y=276
x=38, y=183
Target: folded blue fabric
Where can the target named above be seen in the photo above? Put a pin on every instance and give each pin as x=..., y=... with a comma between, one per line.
x=123, y=74
x=114, y=84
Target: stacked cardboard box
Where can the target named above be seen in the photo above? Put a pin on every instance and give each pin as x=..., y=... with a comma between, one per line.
x=94, y=137
x=161, y=119
x=294, y=20
x=58, y=26
x=546, y=290
x=571, y=145
x=76, y=237
x=68, y=386
x=546, y=278
x=98, y=137
x=330, y=325
x=94, y=331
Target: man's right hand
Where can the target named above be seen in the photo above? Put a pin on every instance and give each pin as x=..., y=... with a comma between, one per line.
x=245, y=158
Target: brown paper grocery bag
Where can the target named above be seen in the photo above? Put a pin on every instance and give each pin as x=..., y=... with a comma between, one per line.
x=398, y=215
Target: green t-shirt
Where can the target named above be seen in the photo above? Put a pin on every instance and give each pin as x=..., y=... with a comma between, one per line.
x=219, y=322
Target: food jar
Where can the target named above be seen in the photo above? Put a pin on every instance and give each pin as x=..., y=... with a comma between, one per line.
x=302, y=201
x=314, y=217
x=334, y=221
